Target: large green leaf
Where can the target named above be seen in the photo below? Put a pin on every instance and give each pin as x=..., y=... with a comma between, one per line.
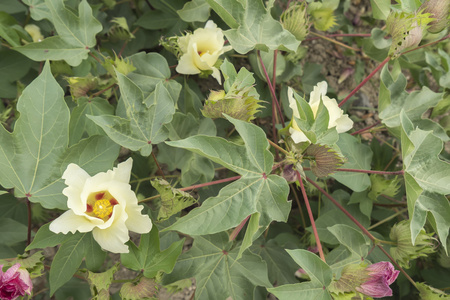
x=254, y=192
x=141, y=121
x=79, y=123
x=426, y=179
x=45, y=238
x=195, y=11
x=193, y=167
x=319, y=272
x=148, y=256
x=252, y=26
x=35, y=155
x=380, y=8
x=217, y=273
x=358, y=156
x=351, y=238
x=13, y=66
x=76, y=34
x=12, y=231
x=67, y=260
x=393, y=99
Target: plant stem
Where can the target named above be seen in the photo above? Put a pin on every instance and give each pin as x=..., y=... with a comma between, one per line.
x=342, y=209
x=300, y=210
x=278, y=147
x=209, y=183
x=311, y=217
x=341, y=35
x=426, y=45
x=364, y=230
x=102, y=91
x=159, y=167
x=238, y=229
x=274, y=74
x=195, y=187
x=95, y=57
x=29, y=222
x=401, y=172
x=271, y=88
x=385, y=61
x=387, y=219
x=366, y=128
x=398, y=266
x=334, y=41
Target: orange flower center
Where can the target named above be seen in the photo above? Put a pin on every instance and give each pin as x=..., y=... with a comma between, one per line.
x=100, y=205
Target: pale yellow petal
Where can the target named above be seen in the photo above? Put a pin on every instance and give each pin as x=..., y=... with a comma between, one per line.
x=69, y=221
x=113, y=238
x=137, y=222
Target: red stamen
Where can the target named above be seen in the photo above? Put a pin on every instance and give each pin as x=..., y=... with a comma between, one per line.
x=113, y=202
x=99, y=196
x=88, y=208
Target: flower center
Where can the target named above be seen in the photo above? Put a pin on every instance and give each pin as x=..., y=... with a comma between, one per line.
x=102, y=208
x=100, y=205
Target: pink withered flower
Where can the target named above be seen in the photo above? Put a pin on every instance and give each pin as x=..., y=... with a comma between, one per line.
x=381, y=275
x=14, y=282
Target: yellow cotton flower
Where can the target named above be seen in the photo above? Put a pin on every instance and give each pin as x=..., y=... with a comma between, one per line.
x=103, y=204
x=201, y=50
x=337, y=118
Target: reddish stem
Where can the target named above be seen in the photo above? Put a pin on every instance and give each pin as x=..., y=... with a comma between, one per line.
x=274, y=77
x=366, y=128
x=311, y=218
x=209, y=183
x=238, y=229
x=271, y=88
x=397, y=265
x=426, y=45
x=29, y=222
x=385, y=61
x=366, y=232
x=159, y=167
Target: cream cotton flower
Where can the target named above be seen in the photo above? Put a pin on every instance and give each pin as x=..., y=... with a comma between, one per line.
x=103, y=204
x=337, y=118
x=201, y=49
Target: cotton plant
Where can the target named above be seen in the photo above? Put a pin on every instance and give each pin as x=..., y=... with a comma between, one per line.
x=122, y=175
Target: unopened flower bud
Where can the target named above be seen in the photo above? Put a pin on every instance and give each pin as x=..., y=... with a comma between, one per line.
x=405, y=250
x=241, y=104
x=289, y=173
x=296, y=21
x=35, y=32
x=440, y=11
x=324, y=160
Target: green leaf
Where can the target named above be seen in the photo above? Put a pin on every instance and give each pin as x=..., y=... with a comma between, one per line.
x=194, y=168
x=12, y=232
x=415, y=104
x=252, y=26
x=151, y=69
x=80, y=123
x=76, y=34
x=426, y=179
x=38, y=9
x=280, y=264
x=148, y=256
x=67, y=260
x=319, y=272
x=13, y=66
x=358, y=156
x=380, y=9
x=142, y=123
x=304, y=290
x=254, y=192
x=35, y=155
x=351, y=238
x=217, y=272
x=45, y=238
x=11, y=208
x=195, y=11
x=95, y=256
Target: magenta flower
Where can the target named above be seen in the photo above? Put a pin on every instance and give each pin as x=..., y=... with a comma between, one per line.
x=381, y=275
x=14, y=282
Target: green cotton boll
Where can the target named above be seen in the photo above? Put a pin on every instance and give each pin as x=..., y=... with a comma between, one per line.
x=296, y=21
x=440, y=11
x=405, y=250
x=406, y=30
